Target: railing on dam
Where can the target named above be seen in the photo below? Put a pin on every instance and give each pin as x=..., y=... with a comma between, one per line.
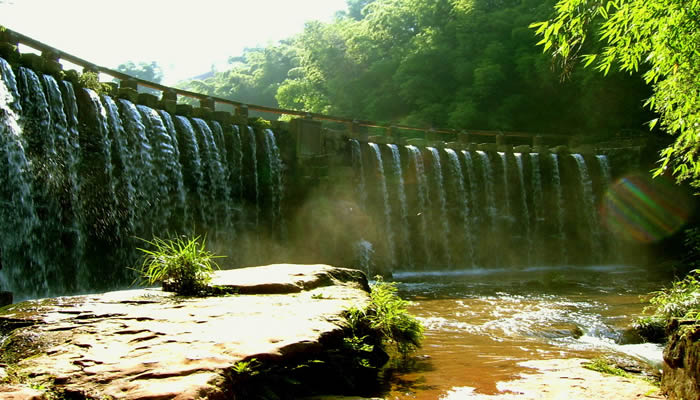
x=11, y=39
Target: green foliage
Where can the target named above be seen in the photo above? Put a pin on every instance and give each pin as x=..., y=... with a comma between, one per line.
x=388, y=314
x=681, y=300
x=91, y=80
x=602, y=366
x=660, y=38
x=691, y=241
x=387, y=317
x=462, y=64
x=151, y=72
x=253, y=78
x=181, y=265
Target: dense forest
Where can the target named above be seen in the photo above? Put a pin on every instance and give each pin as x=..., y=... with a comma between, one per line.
x=462, y=64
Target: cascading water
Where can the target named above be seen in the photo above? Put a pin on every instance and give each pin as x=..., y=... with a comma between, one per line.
x=18, y=216
x=559, y=202
x=272, y=155
x=166, y=169
x=403, y=209
x=537, y=201
x=604, y=167
x=525, y=210
x=464, y=209
x=235, y=150
x=364, y=253
x=192, y=171
x=85, y=175
x=256, y=180
x=215, y=178
x=442, y=201
x=390, y=246
x=177, y=181
x=473, y=195
x=589, y=208
x=506, y=213
x=356, y=154
x=423, y=198
x=147, y=197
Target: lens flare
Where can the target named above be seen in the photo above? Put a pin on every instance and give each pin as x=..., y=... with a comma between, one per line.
x=639, y=208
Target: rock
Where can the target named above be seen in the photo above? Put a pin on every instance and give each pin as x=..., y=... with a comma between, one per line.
x=566, y=379
x=150, y=344
x=681, y=369
x=16, y=392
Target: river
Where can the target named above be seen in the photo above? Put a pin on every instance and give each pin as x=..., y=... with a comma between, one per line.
x=480, y=323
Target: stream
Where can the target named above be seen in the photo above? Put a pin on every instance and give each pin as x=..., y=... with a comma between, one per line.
x=480, y=323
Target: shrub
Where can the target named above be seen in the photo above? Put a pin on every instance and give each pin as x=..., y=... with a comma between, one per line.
x=181, y=265
x=387, y=316
x=681, y=300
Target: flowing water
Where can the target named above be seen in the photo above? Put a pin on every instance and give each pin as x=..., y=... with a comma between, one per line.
x=481, y=322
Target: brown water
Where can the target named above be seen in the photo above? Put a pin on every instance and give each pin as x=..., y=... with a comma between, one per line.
x=481, y=323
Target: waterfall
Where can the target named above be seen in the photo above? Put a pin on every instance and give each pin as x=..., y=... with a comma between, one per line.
x=487, y=172
x=537, y=200
x=272, y=154
x=97, y=193
x=403, y=208
x=256, y=180
x=236, y=153
x=167, y=170
x=442, y=200
x=147, y=197
x=70, y=151
x=223, y=190
x=391, y=248
x=604, y=167
x=556, y=182
x=62, y=230
x=192, y=174
x=356, y=154
x=589, y=208
x=506, y=214
x=363, y=255
x=462, y=201
x=177, y=180
x=423, y=198
x=215, y=179
x=525, y=211
x=473, y=195
x=17, y=214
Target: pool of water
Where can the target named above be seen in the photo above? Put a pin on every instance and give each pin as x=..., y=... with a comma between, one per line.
x=480, y=323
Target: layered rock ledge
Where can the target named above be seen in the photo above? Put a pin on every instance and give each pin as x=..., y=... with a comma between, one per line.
x=148, y=344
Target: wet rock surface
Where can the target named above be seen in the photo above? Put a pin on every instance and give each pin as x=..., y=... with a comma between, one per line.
x=150, y=344
x=681, y=369
x=564, y=379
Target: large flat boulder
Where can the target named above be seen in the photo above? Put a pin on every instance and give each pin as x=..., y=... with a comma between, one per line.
x=149, y=344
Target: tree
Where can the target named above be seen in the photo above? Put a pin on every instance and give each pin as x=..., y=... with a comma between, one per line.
x=659, y=37
x=151, y=72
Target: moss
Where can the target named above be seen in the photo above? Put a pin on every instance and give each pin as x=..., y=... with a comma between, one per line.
x=91, y=80
x=601, y=365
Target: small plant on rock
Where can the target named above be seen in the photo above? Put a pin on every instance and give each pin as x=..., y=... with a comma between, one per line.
x=387, y=317
x=181, y=265
x=681, y=300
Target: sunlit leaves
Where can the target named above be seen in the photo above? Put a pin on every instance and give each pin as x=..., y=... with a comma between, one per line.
x=659, y=37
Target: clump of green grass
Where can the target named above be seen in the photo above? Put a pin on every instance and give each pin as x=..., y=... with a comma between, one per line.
x=181, y=265
x=681, y=300
x=387, y=316
x=602, y=366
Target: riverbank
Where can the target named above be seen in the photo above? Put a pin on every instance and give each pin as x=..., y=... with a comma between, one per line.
x=277, y=321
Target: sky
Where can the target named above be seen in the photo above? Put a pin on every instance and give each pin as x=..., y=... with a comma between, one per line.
x=186, y=37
